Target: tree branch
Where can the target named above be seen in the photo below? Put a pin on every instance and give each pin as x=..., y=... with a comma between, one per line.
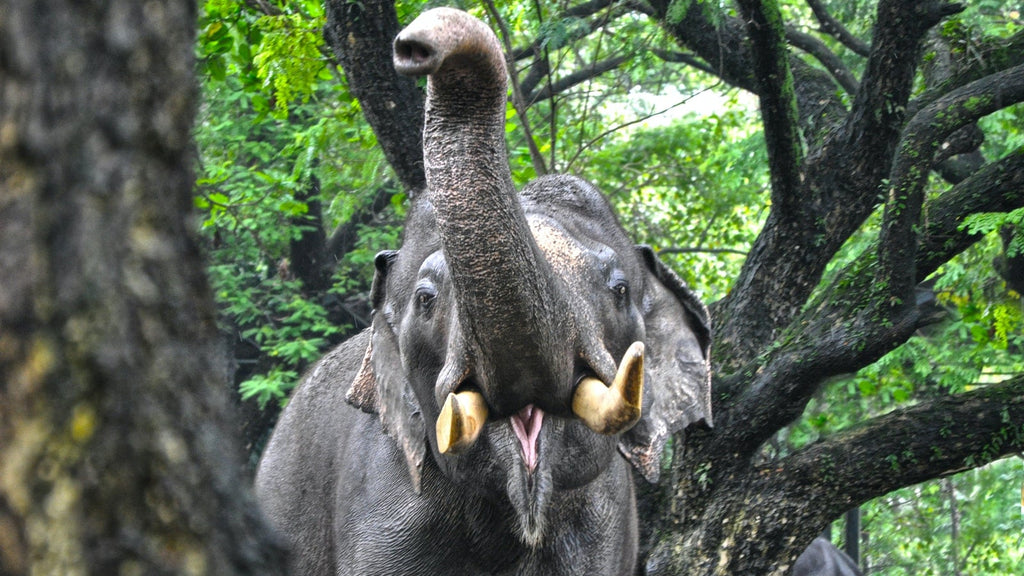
x=579, y=11
x=898, y=240
x=264, y=7
x=683, y=58
x=779, y=112
x=518, y=101
x=999, y=55
x=701, y=250
x=852, y=323
x=933, y=439
x=360, y=34
x=828, y=59
x=834, y=28
x=849, y=327
x=723, y=45
x=879, y=109
x=343, y=239
x=578, y=77
x=997, y=187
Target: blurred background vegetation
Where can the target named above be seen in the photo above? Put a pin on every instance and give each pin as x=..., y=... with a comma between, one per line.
x=295, y=198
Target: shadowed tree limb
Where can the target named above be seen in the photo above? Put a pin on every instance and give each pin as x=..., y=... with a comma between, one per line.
x=933, y=439
x=343, y=239
x=826, y=57
x=576, y=78
x=929, y=127
x=360, y=34
x=851, y=325
x=580, y=11
x=838, y=193
x=723, y=44
x=834, y=28
x=993, y=57
x=683, y=58
x=838, y=333
x=774, y=511
x=997, y=187
x=778, y=101
x=879, y=109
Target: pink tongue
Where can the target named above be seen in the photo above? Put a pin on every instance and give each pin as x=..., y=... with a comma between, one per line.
x=527, y=428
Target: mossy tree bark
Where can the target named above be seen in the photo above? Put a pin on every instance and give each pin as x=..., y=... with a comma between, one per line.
x=117, y=449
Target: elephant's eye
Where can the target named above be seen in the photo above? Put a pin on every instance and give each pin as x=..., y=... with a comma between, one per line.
x=619, y=286
x=425, y=296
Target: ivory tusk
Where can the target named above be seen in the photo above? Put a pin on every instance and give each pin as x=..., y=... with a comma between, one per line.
x=611, y=410
x=462, y=418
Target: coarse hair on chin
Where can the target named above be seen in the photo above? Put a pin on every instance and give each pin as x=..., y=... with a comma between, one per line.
x=530, y=497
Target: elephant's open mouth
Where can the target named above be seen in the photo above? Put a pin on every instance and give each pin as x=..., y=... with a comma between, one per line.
x=605, y=409
x=526, y=424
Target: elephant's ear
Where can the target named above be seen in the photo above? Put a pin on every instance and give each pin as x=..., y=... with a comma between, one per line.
x=677, y=390
x=380, y=386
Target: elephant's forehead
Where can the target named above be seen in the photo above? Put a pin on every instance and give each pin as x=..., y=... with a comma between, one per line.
x=564, y=252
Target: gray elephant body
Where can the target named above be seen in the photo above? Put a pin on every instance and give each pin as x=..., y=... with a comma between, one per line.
x=822, y=558
x=515, y=299
x=336, y=485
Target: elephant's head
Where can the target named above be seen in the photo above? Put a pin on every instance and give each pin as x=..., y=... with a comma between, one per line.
x=522, y=338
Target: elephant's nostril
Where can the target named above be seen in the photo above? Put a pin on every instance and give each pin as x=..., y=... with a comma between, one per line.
x=419, y=53
x=413, y=57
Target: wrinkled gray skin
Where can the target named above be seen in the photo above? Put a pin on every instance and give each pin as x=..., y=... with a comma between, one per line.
x=518, y=296
x=822, y=558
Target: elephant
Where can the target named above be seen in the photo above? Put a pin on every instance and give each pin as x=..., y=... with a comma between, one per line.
x=524, y=356
x=822, y=558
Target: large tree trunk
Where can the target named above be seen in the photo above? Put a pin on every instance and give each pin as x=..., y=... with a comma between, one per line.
x=117, y=451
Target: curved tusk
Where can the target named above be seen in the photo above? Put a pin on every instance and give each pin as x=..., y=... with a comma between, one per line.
x=611, y=410
x=462, y=418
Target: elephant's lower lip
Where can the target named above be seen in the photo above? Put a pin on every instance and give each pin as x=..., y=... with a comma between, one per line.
x=526, y=424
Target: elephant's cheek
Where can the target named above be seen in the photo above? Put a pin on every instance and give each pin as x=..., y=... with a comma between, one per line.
x=580, y=456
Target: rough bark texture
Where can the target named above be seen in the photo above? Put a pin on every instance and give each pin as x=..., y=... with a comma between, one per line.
x=833, y=164
x=117, y=453
x=360, y=34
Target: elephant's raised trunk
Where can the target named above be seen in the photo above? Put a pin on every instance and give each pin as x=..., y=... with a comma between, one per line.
x=514, y=317
x=521, y=341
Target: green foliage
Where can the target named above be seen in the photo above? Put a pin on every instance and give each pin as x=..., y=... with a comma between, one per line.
x=967, y=524
x=288, y=57
x=275, y=119
x=704, y=198
x=678, y=9
x=986, y=222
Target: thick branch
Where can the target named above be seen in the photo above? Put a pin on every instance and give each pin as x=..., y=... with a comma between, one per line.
x=933, y=439
x=580, y=11
x=306, y=252
x=828, y=59
x=835, y=346
x=929, y=127
x=778, y=101
x=723, y=45
x=834, y=28
x=999, y=55
x=360, y=33
x=857, y=320
x=997, y=187
x=683, y=58
x=837, y=341
x=576, y=78
x=878, y=112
